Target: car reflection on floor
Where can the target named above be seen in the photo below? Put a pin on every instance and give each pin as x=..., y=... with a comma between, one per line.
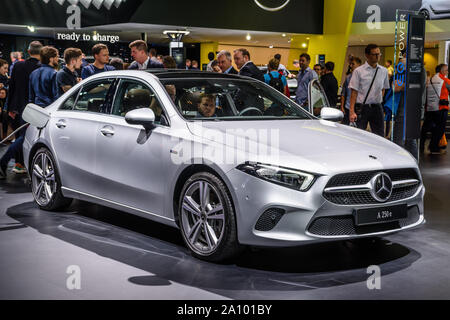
x=160, y=250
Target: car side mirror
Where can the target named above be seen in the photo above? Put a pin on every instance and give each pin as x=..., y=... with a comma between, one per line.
x=331, y=114
x=143, y=116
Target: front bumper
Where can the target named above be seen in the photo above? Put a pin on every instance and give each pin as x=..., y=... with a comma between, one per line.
x=253, y=196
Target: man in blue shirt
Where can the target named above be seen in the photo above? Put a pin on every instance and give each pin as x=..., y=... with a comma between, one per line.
x=305, y=76
x=101, y=55
x=273, y=77
x=43, y=89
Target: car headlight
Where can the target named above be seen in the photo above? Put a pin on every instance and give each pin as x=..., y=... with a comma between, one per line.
x=286, y=177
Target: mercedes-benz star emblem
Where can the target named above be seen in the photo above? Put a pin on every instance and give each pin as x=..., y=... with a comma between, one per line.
x=259, y=4
x=381, y=187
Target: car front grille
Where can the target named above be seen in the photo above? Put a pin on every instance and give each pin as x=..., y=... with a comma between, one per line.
x=365, y=197
x=345, y=225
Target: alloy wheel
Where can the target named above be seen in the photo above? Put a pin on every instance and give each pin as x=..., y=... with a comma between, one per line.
x=44, y=183
x=203, y=220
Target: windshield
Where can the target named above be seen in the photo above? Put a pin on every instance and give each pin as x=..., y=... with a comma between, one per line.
x=230, y=99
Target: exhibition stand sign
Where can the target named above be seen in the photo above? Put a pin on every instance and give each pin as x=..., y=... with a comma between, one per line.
x=83, y=36
x=305, y=16
x=409, y=70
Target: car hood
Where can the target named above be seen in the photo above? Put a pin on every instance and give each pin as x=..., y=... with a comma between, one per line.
x=316, y=146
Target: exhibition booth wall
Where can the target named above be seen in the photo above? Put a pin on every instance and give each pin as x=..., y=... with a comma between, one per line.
x=327, y=28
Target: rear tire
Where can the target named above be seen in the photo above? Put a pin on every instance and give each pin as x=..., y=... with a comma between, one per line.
x=46, y=182
x=207, y=218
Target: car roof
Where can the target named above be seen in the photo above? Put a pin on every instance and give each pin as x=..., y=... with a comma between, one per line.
x=179, y=74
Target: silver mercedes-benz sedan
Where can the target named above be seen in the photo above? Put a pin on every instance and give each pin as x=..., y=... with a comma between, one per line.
x=228, y=160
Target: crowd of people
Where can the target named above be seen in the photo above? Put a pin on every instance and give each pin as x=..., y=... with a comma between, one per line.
x=366, y=97
x=370, y=96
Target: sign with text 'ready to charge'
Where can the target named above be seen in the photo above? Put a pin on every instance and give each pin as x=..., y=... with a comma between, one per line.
x=95, y=37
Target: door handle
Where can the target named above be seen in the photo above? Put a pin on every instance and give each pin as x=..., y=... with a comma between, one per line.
x=107, y=131
x=61, y=124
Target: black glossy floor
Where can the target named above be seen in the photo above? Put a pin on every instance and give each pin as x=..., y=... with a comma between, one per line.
x=125, y=257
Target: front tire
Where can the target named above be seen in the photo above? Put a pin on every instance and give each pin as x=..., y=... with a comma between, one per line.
x=207, y=218
x=46, y=183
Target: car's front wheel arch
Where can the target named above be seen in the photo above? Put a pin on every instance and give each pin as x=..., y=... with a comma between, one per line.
x=207, y=218
x=185, y=175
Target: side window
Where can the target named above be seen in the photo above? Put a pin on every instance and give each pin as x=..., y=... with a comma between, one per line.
x=70, y=102
x=133, y=95
x=93, y=96
x=318, y=98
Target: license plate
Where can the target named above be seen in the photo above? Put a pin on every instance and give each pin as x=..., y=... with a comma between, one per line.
x=380, y=214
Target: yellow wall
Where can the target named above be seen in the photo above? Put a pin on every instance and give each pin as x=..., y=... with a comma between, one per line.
x=206, y=48
x=389, y=54
x=431, y=60
x=294, y=54
x=338, y=16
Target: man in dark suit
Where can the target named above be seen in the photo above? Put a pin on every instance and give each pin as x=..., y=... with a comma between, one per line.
x=246, y=66
x=18, y=84
x=242, y=99
x=18, y=98
x=139, y=52
x=225, y=62
x=330, y=84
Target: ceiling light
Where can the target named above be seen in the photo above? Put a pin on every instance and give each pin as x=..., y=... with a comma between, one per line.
x=304, y=45
x=308, y=38
x=184, y=32
x=271, y=46
x=31, y=28
x=248, y=37
x=283, y=35
x=176, y=35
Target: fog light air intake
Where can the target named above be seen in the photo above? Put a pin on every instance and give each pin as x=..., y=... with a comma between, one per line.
x=269, y=219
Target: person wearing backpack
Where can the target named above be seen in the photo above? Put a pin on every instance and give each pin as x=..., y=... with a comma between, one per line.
x=273, y=78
